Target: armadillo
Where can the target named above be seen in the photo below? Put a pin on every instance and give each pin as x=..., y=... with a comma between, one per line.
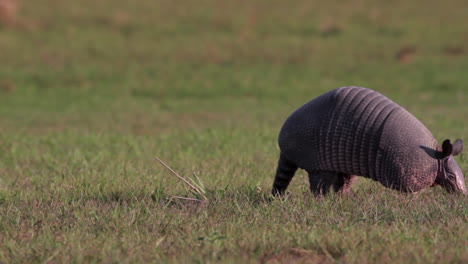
x=355, y=131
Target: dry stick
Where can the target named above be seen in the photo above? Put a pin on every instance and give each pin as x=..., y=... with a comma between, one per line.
x=187, y=198
x=182, y=178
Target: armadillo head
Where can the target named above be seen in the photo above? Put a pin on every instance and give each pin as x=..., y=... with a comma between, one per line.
x=450, y=176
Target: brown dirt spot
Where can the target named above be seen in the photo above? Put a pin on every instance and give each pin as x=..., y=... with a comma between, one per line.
x=7, y=86
x=406, y=54
x=329, y=28
x=120, y=19
x=8, y=10
x=454, y=50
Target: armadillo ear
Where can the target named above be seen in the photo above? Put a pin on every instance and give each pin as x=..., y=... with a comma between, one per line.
x=457, y=147
x=447, y=148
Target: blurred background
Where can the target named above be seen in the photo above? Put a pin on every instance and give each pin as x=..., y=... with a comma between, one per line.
x=148, y=66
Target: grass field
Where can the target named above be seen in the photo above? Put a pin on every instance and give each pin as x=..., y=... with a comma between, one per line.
x=92, y=91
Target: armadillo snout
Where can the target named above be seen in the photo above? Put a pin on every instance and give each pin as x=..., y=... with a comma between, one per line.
x=454, y=190
x=455, y=184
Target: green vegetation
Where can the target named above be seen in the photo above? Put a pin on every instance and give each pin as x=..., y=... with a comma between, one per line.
x=92, y=91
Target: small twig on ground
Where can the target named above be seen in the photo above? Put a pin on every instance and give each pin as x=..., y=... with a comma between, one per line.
x=187, y=198
x=197, y=190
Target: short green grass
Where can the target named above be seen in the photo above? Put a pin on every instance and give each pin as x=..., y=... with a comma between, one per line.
x=91, y=91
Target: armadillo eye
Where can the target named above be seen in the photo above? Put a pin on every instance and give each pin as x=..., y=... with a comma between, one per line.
x=450, y=176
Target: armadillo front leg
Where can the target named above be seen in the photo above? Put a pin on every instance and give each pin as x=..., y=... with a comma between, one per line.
x=284, y=174
x=343, y=183
x=322, y=181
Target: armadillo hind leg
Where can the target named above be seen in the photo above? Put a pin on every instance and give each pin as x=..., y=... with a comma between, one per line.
x=284, y=174
x=322, y=181
x=343, y=183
